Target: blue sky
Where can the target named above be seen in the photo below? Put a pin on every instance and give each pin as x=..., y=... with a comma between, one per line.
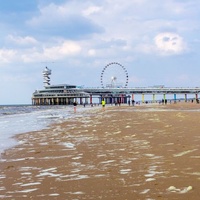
x=158, y=42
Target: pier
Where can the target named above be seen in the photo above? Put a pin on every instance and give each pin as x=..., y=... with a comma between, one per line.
x=111, y=94
x=65, y=94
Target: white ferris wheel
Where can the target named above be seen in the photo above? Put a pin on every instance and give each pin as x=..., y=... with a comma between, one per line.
x=114, y=75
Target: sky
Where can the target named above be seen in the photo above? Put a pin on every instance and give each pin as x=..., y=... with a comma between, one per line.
x=157, y=42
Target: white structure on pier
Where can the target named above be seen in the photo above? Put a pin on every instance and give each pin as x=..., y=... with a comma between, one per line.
x=46, y=72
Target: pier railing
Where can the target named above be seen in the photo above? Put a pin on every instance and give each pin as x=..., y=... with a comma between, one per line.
x=144, y=90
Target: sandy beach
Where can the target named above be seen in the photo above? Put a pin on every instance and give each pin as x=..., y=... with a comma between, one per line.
x=145, y=152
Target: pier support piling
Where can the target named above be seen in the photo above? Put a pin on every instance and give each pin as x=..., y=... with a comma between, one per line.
x=154, y=98
x=142, y=98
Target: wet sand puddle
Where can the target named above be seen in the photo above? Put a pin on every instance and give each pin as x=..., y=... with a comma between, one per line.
x=106, y=156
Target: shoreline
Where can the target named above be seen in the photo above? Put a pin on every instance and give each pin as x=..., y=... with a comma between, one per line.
x=24, y=120
x=123, y=152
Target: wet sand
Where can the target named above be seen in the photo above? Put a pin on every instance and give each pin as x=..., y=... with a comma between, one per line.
x=142, y=152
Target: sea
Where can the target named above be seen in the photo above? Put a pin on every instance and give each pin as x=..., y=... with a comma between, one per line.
x=16, y=119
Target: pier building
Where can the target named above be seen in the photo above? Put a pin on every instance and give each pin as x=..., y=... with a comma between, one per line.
x=62, y=94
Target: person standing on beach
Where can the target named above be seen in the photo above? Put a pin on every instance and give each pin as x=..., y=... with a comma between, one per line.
x=75, y=104
x=103, y=103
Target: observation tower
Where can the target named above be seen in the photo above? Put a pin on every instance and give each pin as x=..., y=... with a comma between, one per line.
x=46, y=72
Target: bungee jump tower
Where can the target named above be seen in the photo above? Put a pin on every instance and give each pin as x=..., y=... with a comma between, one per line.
x=46, y=73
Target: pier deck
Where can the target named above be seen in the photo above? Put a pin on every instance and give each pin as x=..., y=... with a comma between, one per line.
x=66, y=94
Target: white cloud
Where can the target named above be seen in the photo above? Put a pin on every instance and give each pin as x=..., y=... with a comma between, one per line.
x=61, y=51
x=145, y=48
x=49, y=14
x=7, y=55
x=28, y=40
x=179, y=8
x=37, y=53
x=65, y=49
x=169, y=43
x=54, y=13
x=92, y=52
x=91, y=10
